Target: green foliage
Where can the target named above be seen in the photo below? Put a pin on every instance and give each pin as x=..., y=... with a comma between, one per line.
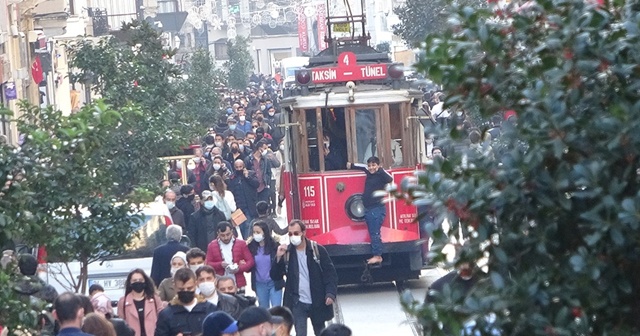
x=135, y=75
x=72, y=208
x=240, y=63
x=200, y=99
x=556, y=214
x=384, y=47
x=418, y=18
x=16, y=314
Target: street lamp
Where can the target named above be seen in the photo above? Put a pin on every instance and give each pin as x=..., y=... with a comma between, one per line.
x=87, y=81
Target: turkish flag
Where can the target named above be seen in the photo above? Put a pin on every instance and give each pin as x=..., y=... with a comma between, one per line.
x=36, y=70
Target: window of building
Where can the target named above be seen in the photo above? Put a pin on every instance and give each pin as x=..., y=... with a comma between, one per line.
x=221, y=51
x=167, y=6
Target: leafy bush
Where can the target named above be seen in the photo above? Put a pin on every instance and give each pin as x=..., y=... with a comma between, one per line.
x=556, y=213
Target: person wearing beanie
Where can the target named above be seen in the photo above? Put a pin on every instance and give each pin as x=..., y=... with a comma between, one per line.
x=219, y=324
x=257, y=321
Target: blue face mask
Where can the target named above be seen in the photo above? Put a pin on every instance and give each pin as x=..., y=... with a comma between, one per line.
x=232, y=127
x=209, y=205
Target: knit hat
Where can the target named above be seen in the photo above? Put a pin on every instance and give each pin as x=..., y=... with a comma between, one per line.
x=218, y=323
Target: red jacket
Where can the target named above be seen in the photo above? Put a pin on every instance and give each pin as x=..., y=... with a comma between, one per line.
x=239, y=251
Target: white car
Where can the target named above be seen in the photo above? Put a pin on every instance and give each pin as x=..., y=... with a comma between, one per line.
x=112, y=273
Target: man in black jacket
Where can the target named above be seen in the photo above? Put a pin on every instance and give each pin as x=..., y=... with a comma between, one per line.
x=312, y=284
x=186, y=311
x=243, y=184
x=203, y=224
x=185, y=203
x=207, y=284
x=161, y=262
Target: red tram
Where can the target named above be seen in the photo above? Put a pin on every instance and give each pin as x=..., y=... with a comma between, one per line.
x=352, y=102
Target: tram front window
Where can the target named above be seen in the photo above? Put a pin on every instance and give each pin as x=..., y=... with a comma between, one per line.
x=366, y=141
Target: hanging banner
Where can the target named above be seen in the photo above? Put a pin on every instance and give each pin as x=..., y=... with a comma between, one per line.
x=10, y=92
x=321, y=11
x=303, y=37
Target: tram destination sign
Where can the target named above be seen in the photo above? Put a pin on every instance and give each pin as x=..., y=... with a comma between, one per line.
x=349, y=70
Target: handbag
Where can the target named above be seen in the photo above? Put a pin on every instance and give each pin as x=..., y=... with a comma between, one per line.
x=238, y=217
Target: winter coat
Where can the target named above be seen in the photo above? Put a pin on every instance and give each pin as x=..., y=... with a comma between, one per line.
x=245, y=192
x=266, y=163
x=177, y=319
x=128, y=312
x=239, y=251
x=203, y=226
x=323, y=280
x=161, y=262
x=185, y=205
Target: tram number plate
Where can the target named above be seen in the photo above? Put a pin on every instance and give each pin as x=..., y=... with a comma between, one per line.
x=341, y=27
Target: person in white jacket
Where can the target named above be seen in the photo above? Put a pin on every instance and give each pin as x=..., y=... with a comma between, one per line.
x=224, y=199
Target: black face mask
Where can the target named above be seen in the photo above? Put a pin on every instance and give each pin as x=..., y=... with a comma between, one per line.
x=191, y=197
x=234, y=150
x=186, y=297
x=138, y=287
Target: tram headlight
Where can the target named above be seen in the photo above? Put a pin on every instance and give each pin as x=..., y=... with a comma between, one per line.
x=355, y=207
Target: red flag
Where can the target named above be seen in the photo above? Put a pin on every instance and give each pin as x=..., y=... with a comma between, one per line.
x=36, y=70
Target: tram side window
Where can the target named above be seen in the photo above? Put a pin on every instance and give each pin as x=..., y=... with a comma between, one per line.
x=395, y=126
x=312, y=140
x=366, y=141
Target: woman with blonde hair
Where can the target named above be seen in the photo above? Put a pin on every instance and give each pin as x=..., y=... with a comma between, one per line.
x=97, y=325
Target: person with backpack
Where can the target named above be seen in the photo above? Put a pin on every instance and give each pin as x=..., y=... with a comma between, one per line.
x=311, y=283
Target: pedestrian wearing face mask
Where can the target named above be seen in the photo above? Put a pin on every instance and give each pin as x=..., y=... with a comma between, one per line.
x=234, y=152
x=203, y=223
x=177, y=216
x=263, y=248
x=166, y=289
x=206, y=276
x=233, y=128
x=311, y=279
x=187, y=311
x=262, y=161
x=140, y=305
x=186, y=203
x=199, y=172
x=243, y=184
x=230, y=256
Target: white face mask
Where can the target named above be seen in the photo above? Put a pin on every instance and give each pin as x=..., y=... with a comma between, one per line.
x=216, y=166
x=327, y=144
x=295, y=240
x=282, y=148
x=207, y=288
x=264, y=152
x=174, y=270
x=242, y=118
x=218, y=143
x=241, y=147
x=196, y=160
x=209, y=205
x=170, y=205
x=195, y=267
x=272, y=113
x=258, y=237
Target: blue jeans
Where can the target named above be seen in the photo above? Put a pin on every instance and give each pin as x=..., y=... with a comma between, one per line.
x=267, y=294
x=301, y=312
x=245, y=227
x=374, y=218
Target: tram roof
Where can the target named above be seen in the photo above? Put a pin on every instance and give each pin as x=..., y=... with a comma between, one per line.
x=364, y=95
